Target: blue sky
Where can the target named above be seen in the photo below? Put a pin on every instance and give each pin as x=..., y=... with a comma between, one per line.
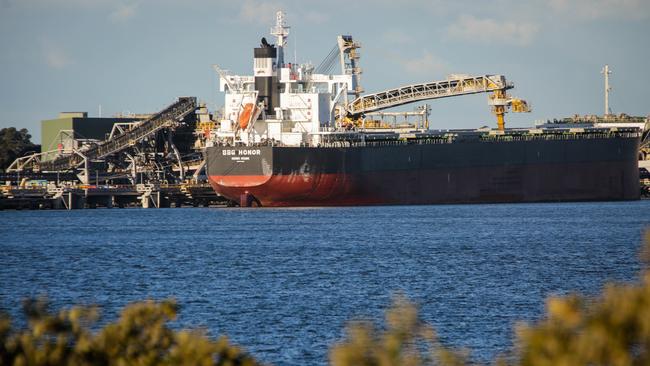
x=138, y=55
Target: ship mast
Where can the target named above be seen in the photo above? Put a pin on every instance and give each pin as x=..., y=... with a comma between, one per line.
x=606, y=71
x=281, y=30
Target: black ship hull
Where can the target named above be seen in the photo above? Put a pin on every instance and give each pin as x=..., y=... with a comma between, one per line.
x=421, y=172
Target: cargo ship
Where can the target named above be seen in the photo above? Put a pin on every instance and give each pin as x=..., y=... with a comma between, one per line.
x=298, y=135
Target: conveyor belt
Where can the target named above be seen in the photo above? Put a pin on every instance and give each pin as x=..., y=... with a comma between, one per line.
x=431, y=90
x=167, y=118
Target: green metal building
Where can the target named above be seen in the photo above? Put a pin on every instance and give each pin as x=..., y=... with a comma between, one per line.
x=66, y=132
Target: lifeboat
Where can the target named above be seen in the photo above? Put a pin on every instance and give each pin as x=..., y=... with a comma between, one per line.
x=245, y=115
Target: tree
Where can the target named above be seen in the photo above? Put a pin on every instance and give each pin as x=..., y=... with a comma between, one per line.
x=14, y=144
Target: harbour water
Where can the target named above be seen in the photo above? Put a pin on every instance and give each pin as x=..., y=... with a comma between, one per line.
x=282, y=283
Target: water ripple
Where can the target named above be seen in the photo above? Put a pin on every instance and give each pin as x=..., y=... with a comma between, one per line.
x=283, y=283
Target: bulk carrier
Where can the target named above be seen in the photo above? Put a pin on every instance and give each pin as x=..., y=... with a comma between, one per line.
x=298, y=135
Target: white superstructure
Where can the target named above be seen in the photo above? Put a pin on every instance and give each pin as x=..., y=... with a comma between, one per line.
x=306, y=105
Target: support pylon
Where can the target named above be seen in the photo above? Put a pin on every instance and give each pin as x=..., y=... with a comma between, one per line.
x=500, y=108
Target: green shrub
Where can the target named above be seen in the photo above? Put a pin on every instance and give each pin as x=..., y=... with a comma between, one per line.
x=406, y=341
x=141, y=336
x=611, y=329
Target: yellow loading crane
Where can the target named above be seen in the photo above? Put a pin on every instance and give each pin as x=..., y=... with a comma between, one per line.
x=455, y=85
x=501, y=102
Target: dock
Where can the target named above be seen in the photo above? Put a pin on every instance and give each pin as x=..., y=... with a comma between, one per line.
x=72, y=197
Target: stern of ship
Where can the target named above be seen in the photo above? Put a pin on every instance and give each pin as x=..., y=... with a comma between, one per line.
x=237, y=172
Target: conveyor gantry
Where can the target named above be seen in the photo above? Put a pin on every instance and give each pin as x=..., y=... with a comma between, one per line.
x=431, y=90
x=167, y=118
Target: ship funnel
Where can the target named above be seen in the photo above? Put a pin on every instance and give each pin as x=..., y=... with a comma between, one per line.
x=264, y=64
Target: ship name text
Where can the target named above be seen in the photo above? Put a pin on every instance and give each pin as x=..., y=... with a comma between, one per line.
x=229, y=152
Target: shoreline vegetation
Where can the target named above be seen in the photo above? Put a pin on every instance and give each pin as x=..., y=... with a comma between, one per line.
x=612, y=328
x=15, y=143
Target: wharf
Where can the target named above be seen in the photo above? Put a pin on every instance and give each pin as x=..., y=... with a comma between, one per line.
x=71, y=197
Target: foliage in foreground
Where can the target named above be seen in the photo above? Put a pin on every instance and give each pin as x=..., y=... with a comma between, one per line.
x=406, y=341
x=141, y=336
x=612, y=329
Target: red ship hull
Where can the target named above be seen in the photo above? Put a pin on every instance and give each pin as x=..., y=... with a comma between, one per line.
x=380, y=188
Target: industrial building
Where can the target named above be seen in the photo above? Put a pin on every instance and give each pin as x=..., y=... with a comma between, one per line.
x=72, y=129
